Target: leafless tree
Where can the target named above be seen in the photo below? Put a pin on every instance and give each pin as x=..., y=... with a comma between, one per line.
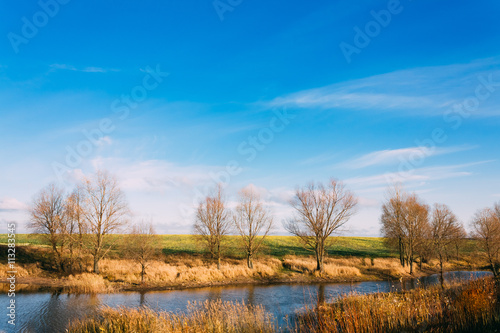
x=48, y=218
x=76, y=226
x=320, y=211
x=142, y=245
x=486, y=226
x=405, y=224
x=252, y=221
x=393, y=213
x=445, y=229
x=415, y=227
x=424, y=249
x=212, y=222
x=105, y=212
x=459, y=241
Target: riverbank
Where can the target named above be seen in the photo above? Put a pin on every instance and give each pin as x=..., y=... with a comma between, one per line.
x=461, y=306
x=185, y=272
x=181, y=263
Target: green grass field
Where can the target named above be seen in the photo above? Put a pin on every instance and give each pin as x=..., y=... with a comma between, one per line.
x=277, y=246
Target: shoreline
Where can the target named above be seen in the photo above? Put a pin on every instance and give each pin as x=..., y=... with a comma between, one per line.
x=51, y=284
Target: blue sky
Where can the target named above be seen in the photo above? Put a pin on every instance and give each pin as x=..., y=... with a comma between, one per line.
x=177, y=95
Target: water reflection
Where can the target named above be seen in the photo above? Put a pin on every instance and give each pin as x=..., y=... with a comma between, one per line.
x=46, y=312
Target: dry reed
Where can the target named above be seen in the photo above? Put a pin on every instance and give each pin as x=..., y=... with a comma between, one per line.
x=215, y=316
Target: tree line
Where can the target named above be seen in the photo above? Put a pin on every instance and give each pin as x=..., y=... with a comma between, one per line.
x=79, y=224
x=320, y=211
x=419, y=232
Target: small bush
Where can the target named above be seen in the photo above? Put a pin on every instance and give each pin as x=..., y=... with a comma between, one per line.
x=87, y=283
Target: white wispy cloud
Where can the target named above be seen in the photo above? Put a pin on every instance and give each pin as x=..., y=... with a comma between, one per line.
x=417, y=175
x=8, y=204
x=390, y=156
x=158, y=176
x=422, y=91
x=91, y=69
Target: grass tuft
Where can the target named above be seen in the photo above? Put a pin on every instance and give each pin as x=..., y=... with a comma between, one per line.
x=87, y=283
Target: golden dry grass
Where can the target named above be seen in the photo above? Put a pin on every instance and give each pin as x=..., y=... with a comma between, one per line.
x=215, y=316
x=22, y=270
x=87, y=283
x=349, y=267
x=461, y=307
x=331, y=268
x=188, y=271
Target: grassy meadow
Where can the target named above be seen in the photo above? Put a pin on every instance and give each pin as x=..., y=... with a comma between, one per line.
x=183, y=263
x=276, y=246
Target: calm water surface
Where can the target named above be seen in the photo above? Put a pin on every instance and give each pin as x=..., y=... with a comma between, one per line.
x=49, y=312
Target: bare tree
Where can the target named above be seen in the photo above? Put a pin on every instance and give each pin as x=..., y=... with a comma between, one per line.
x=445, y=229
x=486, y=225
x=424, y=249
x=142, y=245
x=393, y=213
x=105, y=212
x=320, y=211
x=496, y=208
x=252, y=221
x=415, y=227
x=405, y=225
x=213, y=223
x=459, y=241
x=76, y=226
x=48, y=218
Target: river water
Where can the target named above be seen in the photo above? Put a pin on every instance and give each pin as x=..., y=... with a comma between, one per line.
x=51, y=312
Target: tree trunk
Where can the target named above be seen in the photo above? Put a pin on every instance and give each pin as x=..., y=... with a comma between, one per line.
x=218, y=256
x=411, y=266
x=401, y=252
x=71, y=260
x=490, y=259
x=96, y=265
x=57, y=258
x=250, y=261
x=319, y=260
x=493, y=268
x=441, y=275
x=143, y=272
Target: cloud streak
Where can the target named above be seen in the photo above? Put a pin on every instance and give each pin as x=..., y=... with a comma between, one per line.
x=90, y=69
x=419, y=91
x=8, y=204
x=391, y=156
x=418, y=175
